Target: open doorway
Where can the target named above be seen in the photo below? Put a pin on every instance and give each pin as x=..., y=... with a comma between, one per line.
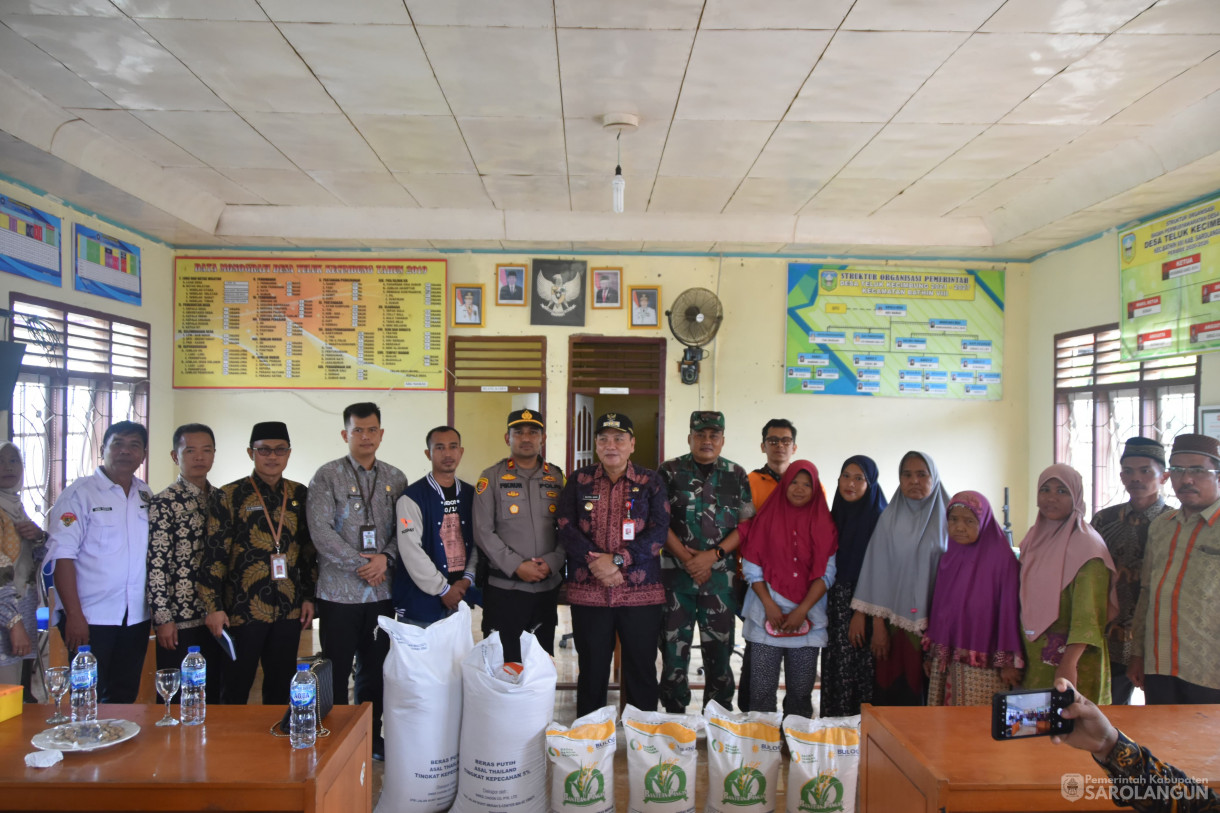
x=616, y=374
x=489, y=378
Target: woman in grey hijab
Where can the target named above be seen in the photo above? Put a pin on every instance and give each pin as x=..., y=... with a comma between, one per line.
x=22, y=546
x=897, y=577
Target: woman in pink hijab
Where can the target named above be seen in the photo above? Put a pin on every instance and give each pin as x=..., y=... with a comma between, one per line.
x=1067, y=591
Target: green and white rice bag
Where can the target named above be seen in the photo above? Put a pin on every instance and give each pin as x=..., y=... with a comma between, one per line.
x=662, y=754
x=743, y=754
x=582, y=763
x=825, y=761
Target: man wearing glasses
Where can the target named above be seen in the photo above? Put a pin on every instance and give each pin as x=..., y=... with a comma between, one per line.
x=778, y=444
x=259, y=569
x=1176, y=630
x=613, y=522
x=351, y=522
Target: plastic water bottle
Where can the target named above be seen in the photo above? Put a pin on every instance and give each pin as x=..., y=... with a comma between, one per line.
x=194, y=705
x=303, y=695
x=84, y=686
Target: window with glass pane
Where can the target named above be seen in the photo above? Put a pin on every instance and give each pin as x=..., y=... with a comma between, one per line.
x=1101, y=401
x=82, y=371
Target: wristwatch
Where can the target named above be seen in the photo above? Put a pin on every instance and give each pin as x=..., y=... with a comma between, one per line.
x=618, y=560
x=720, y=554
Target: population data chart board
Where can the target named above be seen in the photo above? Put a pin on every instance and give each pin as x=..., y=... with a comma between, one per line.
x=29, y=242
x=901, y=332
x=1170, y=271
x=107, y=266
x=309, y=323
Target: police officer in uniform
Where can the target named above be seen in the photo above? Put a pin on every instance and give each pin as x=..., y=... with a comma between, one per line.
x=514, y=525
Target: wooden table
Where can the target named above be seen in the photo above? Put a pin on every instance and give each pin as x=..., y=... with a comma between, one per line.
x=232, y=762
x=925, y=760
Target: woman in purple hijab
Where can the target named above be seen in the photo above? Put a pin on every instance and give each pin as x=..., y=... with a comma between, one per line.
x=973, y=644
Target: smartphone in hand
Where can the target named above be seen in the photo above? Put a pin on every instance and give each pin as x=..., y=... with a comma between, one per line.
x=1030, y=713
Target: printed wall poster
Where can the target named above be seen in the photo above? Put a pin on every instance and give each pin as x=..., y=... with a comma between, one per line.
x=30, y=241
x=1170, y=271
x=902, y=332
x=287, y=323
x=106, y=266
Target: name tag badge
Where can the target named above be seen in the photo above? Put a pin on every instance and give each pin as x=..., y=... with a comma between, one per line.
x=279, y=566
x=368, y=537
x=628, y=530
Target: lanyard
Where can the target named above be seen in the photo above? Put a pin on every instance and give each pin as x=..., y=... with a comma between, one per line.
x=366, y=499
x=276, y=532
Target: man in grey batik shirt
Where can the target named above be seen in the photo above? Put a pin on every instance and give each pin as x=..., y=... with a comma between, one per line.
x=351, y=519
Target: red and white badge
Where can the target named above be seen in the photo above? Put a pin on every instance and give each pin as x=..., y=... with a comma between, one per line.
x=279, y=566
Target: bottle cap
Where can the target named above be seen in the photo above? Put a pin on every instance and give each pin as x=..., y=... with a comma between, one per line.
x=82, y=648
x=191, y=649
x=302, y=667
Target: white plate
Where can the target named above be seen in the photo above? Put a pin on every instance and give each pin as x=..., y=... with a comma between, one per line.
x=85, y=736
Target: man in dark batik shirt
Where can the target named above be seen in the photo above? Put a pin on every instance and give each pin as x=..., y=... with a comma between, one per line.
x=1125, y=529
x=259, y=569
x=708, y=496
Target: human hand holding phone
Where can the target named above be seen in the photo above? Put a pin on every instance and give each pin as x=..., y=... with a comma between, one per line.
x=1091, y=731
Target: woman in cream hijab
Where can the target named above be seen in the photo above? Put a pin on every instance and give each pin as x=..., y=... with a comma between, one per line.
x=22, y=546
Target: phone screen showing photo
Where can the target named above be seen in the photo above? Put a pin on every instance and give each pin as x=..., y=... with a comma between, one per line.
x=1028, y=715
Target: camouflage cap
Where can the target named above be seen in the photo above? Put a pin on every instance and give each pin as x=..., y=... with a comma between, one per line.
x=706, y=419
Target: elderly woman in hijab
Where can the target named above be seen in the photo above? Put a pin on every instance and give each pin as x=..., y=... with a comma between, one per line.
x=897, y=577
x=789, y=562
x=1067, y=591
x=847, y=667
x=22, y=546
x=973, y=642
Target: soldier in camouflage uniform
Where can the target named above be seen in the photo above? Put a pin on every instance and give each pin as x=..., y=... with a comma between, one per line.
x=708, y=496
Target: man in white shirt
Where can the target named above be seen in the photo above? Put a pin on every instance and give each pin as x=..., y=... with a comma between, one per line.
x=99, y=545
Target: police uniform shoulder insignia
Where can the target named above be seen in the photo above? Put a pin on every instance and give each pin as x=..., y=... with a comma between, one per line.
x=480, y=486
x=510, y=465
x=67, y=519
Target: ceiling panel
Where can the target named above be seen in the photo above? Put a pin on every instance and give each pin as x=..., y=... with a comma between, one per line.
x=907, y=151
x=1113, y=75
x=702, y=195
x=926, y=15
x=316, y=142
x=620, y=71
x=890, y=64
x=259, y=72
x=811, y=150
x=991, y=74
x=217, y=139
x=1059, y=17
x=673, y=14
x=771, y=195
x=713, y=149
x=192, y=9
x=746, y=14
x=365, y=188
x=122, y=61
x=138, y=137
x=515, y=146
x=518, y=14
x=853, y=196
x=747, y=74
x=380, y=12
x=282, y=187
x=1095, y=142
x=446, y=191
x=593, y=150
x=431, y=144
x=31, y=66
x=88, y=8
x=495, y=71
x=934, y=197
x=996, y=195
x=346, y=57
x=536, y=193
x=213, y=182
x=1178, y=17
x=592, y=193
x=1178, y=93
x=1006, y=149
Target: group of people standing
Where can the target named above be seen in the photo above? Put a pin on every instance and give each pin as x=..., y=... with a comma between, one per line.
x=918, y=599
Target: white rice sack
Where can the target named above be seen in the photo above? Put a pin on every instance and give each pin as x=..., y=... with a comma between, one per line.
x=504, y=722
x=743, y=759
x=423, y=712
x=825, y=763
x=582, y=763
x=662, y=754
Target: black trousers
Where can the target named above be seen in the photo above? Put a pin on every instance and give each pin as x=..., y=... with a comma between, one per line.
x=639, y=631
x=120, y=650
x=1120, y=686
x=512, y=612
x=1167, y=690
x=211, y=652
x=274, y=645
x=346, y=632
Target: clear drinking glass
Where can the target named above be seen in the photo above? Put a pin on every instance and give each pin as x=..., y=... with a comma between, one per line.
x=57, y=687
x=168, y=681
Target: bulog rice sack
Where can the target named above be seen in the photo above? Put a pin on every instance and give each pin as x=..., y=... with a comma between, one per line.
x=743, y=759
x=582, y=763
x=825, y=760
x=662, y=755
